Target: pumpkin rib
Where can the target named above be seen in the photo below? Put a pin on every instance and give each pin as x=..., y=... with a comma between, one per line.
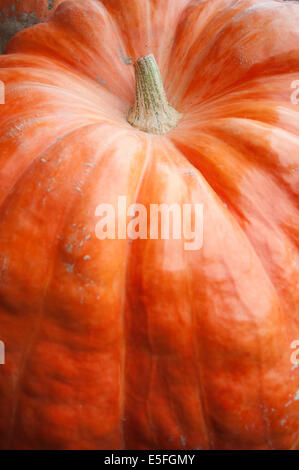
x=36, y=329
x=219, y=128
x=124, y=290
x=31, y=341
x=51, y=80
x=253, y=125
x=242, y=91
x=210, y=135
x=209, y=428
x=147, y=27
x=151, y=374
x=253, y=121
x=21, y=169
x=35, y=160
x=243, y=62
x=241, y=217
x=289, y=133
x=101, y=116
x=194, y=25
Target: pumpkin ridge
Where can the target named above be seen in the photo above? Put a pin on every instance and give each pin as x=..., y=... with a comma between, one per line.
x=128, y=254
x=35, y=161
x=203, y=400
x=35, y=331
x=267, y=271
x=28, y=349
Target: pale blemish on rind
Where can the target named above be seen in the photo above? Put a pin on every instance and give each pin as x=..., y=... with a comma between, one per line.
x=183, y=441
x=296, y=398
x=3, y=267
x=126, y=60
x=101, y=80
x=69, y=267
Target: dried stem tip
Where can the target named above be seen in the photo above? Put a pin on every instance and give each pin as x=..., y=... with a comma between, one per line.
x=151, y=111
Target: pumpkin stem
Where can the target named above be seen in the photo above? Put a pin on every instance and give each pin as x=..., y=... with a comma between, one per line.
x=151, y=111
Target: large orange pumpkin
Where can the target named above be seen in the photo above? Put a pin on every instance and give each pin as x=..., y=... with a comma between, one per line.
x=142, y=345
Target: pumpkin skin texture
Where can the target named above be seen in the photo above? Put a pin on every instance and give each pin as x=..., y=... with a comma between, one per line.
x=142, y=345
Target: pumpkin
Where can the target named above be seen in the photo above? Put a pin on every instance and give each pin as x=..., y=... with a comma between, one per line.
x=142, y=344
